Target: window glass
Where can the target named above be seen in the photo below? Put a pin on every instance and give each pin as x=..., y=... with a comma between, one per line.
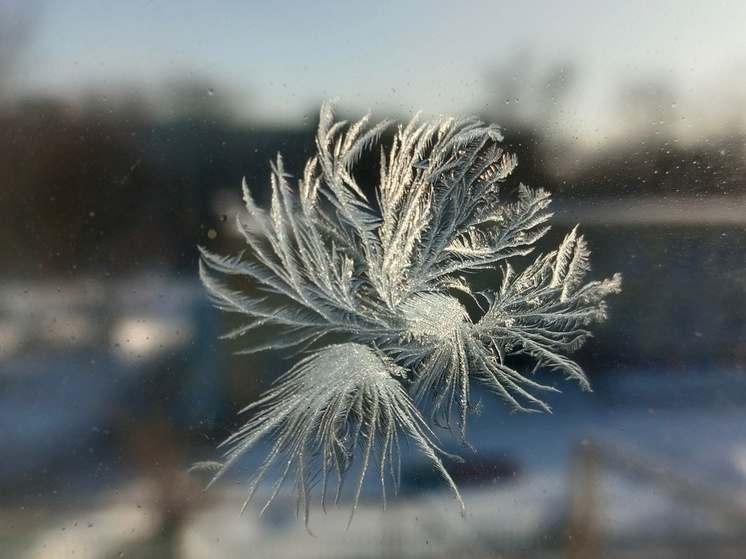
x=126, y=131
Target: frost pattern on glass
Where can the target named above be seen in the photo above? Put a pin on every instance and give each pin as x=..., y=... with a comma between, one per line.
x=324, y=266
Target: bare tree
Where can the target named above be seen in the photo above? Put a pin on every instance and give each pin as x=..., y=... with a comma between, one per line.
x=17, y=19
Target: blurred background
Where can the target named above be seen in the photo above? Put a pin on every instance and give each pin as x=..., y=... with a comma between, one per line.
x=125, y=131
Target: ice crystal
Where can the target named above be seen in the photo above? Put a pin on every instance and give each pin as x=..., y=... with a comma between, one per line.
x=325, y=266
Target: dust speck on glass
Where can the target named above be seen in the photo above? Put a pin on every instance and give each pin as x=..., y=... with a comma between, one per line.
x=374, y=298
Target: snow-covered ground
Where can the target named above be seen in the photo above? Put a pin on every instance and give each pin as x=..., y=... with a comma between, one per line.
x=669, y=466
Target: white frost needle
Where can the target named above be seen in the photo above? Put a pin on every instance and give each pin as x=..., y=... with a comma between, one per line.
x=390, y=283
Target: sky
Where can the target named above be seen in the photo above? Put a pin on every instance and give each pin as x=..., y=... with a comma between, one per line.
x=276, y=61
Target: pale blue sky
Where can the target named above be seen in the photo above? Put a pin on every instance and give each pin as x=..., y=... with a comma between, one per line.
x=391, y=56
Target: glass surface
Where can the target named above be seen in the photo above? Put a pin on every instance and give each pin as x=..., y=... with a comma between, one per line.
x=125, y=132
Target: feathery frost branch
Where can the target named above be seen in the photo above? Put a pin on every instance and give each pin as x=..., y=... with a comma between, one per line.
x=324, y=262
